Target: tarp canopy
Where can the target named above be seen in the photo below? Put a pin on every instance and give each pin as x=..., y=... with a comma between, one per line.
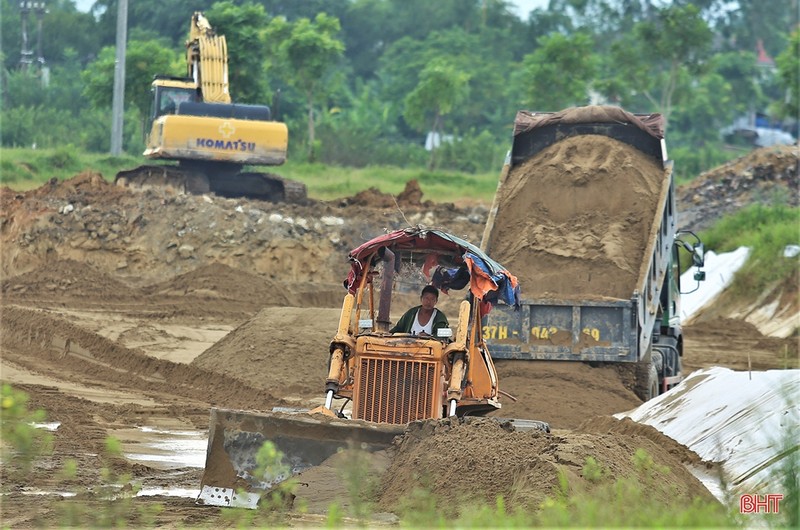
x=652, y=124
x=450, y=262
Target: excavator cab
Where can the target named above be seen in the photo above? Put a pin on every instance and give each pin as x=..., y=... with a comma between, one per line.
x=168, y=94
x=384, y=380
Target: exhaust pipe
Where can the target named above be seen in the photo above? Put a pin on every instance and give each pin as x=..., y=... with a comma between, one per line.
x=385, y=303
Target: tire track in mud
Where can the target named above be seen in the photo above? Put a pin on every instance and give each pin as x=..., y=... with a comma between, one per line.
x=48, y=344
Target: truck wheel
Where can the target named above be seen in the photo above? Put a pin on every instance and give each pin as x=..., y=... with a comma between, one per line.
x=647, y=386
x=671, y=357
x=656, y=367
x=652, y=382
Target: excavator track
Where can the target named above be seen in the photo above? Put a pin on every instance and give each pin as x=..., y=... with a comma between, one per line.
x=170, y=178
x=263, y=186
x=191, y=180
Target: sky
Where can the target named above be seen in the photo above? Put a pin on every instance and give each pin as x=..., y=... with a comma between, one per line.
x=523, y=7
x=526, y=6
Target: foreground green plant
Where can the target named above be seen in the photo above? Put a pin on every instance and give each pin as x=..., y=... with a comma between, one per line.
x=636, y=501
x=22, y=441
x=273, y=505
x=113, y=500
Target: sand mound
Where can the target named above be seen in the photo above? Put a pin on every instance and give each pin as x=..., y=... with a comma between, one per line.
x=573, y=221
x=80, y=188
x=766, y=175
x=628, y=427
x=481, y=459
x=318, y=295
x=410, y=197
x=38, y=337
x=541, y=388
x=284, y=351
x=149, y=236
x=66, y=278
x=217, y=280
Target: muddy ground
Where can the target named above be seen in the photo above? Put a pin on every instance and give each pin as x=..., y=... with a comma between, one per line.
x=125, y=311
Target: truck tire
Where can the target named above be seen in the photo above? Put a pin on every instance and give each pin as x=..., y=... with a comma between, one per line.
x=652, y=382
x=647, y=384
x=670, y=350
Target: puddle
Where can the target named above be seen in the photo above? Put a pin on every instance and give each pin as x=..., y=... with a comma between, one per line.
x=189, y=493
x=64, y=494
x=164, y=449
x=51, y=426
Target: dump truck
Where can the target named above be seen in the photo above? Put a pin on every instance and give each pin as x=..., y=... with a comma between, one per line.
x=383, y=380
x=585, y=215
x=193, y=121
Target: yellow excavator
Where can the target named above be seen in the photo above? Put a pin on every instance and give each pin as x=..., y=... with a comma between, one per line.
x=194, y=122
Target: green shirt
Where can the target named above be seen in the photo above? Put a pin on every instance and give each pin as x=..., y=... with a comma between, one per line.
x=407, y=321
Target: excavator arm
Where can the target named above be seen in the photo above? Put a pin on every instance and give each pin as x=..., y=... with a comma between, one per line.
x=207, y=60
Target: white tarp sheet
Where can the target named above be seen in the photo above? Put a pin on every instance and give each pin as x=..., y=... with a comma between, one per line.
x=720, y=269
x=745, y=421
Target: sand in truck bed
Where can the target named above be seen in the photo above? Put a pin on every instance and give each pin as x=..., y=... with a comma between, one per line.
x=573, y=221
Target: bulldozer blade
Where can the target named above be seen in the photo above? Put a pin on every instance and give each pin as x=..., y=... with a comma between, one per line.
x=305, y=440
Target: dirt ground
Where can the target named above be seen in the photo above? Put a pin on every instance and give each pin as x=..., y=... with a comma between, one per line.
x=126, y=312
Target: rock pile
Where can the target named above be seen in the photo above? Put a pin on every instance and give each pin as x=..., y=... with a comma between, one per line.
x=770, y=175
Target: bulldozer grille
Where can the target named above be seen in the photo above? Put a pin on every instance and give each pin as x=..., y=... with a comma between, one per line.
x=396, y=391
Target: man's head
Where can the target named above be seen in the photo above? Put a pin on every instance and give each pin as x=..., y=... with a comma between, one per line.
x=429, y=296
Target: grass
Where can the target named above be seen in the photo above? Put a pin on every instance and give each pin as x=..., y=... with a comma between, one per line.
x=767, y=230
x=23, y=169
x=331, y=182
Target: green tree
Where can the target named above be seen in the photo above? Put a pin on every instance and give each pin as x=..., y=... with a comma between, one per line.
x=361, y=131
x=746, y=22
x=645, y=67
x=741, y=71
x=243, y=27
x=372, y=27
x=558, y=74
x=788, y=63
x=305, y=54
x=482, y=55
x=701, y=112
x=143, y=60
x=168, y=19
x=441, y=87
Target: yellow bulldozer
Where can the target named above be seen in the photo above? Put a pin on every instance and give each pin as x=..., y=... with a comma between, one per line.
x=194, y=122
x=384, y=380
